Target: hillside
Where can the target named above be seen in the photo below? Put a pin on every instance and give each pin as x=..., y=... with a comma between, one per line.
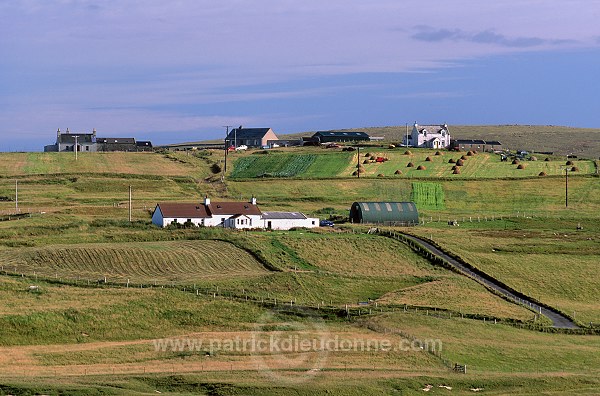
x=64, y=330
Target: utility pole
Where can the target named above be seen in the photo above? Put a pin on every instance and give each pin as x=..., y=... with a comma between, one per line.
x=75, y=147
x=358, y=162
x=226, y=149
x=130, y=204
x=566, y=187
x=16, y=196
x=406, y=134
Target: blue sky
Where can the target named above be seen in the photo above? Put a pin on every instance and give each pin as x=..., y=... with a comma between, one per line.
x=179, y=70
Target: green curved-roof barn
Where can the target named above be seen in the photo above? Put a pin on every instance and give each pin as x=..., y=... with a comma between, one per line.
x=390, y=213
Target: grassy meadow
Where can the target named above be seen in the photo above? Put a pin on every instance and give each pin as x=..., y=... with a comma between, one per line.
x=65, y=336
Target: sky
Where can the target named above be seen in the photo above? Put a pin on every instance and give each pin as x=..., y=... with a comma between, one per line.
x=180, y=70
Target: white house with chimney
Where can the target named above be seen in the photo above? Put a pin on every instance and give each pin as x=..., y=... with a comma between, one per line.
x=236, y=215
x=428, y=136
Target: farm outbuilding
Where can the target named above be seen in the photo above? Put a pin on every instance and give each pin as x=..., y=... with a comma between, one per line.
x=388, y=213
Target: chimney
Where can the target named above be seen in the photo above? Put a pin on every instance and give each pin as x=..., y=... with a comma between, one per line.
x=67, y=130
x=253, y=200
x=240, y=127
x=94, y=132
x=58, y=134
x=206, y=200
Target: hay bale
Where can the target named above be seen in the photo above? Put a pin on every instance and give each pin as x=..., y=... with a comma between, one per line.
x=542, y=174
x=407, y=152
x=367, y=154
x=569, y=162
x=410, y=165
x=438, y=153
x=366, y=161
x=421, y=167
x=515, y=162
x=470, y=154
x=428, y=159
x=460, y=162
x=547, y=159
x=521, y=166
x=574, y=169
x=354, y=173
x=455, y=167
x=373, y=158
x=391, y=146
x=475, y=151
x=381, y=175
x=398, y=172
x=456, y=171
x=451, y=161
x=464, y=157
x=533, y=158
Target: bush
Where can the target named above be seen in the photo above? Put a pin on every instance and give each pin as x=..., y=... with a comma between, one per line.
x=215, y=168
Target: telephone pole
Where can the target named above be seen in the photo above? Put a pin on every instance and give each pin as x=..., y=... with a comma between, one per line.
x=226, y=149
x=75, y=147
x=130, y=204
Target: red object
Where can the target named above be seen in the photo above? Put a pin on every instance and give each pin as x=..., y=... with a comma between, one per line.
x=380, y=159
x=231, y=148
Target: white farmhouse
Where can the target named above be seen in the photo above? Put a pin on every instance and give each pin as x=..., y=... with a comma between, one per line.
x=207, y=214
x=428, y=136
x=237, y=215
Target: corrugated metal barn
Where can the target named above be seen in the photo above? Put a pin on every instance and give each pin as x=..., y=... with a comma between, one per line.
x=386, y=213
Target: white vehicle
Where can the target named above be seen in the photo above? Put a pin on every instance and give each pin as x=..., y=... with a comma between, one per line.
x=241, y=147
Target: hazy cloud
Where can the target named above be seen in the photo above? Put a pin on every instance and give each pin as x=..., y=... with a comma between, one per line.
x=431, y=34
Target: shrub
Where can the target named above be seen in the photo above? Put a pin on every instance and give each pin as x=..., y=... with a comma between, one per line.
x=215, y=168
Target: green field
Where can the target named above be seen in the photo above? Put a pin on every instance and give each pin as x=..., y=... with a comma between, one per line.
x=311, y=163
x=70, y=336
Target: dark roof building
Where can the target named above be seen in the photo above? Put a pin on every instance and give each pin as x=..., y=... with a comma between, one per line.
x=89, y=142
x=476, y=144
x=116, y=144
x=339, y=136
x=387, y=213
x=251, y=137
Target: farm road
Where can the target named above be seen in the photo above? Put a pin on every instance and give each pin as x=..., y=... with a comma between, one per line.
x=558, y=320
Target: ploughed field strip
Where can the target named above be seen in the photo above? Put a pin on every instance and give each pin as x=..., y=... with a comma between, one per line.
x=143, y=262
x=558, y=319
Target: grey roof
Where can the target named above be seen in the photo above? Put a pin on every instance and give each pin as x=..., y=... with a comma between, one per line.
x=143, y=143
x=476, y=141
x=342, y=134
x=247, y=133
x=115, y=140
x=283, y=215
